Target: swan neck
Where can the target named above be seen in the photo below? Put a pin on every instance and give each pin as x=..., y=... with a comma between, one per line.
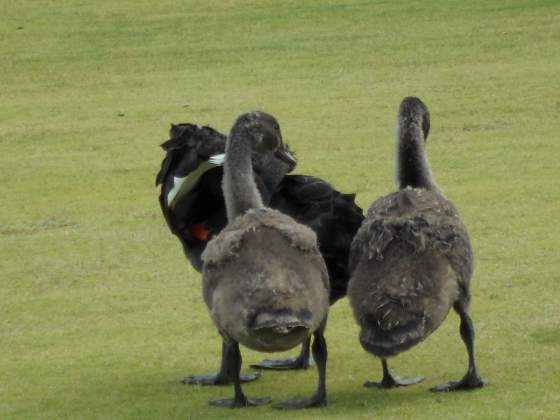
x=412, y=166
x=239, y=187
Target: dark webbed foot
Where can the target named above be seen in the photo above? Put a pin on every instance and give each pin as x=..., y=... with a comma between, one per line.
x=469, y=381
x=231, y=366
x=303, y=361
x=216, y=379
x=394, y=381
x=315, y=401
x=220, y=378
x=240, y=402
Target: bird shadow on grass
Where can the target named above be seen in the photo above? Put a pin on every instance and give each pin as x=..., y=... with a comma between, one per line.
x=357, y=400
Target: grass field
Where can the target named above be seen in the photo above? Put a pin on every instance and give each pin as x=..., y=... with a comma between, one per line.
x=100, y=315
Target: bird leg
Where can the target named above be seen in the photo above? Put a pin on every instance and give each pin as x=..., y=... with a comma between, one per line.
x=233, y=367
x=392, y=381
x=303, y=361
x=220, y=378
x=471, y=379
x=319, y=398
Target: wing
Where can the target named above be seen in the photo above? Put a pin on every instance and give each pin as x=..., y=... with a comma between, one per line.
x=189, y=152
x=190, y=192
x=190, y=176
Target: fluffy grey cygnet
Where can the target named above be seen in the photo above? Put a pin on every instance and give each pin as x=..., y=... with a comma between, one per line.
x=411, y=260
x=264, y=279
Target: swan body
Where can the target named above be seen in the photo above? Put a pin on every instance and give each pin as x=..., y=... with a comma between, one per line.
x=267, y=267
x=264, y=280
x=411, y=259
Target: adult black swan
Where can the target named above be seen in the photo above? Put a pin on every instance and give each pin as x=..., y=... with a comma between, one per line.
x=192, y=203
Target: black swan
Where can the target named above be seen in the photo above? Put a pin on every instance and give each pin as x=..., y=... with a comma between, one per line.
x=197, y=214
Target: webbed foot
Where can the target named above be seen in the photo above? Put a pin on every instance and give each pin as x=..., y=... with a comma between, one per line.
x=216, y=379
x=394, y=381
x=240, y=402
x=469, y=381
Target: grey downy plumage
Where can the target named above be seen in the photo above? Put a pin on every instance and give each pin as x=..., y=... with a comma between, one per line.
x=264, y=280
x=411, y=259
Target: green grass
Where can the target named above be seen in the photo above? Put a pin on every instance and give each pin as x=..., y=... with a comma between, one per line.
x=100, y=315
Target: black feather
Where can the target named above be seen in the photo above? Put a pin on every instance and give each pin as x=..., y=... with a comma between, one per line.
x=333, y=216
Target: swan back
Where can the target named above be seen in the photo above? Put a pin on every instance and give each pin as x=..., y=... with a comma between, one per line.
x=265, y=282
x=411, y=259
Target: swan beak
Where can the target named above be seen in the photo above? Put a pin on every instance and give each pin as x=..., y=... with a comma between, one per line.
x=285, y=156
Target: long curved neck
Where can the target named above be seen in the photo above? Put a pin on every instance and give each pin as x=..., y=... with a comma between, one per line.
x=271, y=171
x=240, y=190
x=412, y=166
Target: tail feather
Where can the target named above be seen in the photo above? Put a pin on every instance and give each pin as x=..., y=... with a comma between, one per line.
x=272, y=331
x=283, y=323
x=386, y=337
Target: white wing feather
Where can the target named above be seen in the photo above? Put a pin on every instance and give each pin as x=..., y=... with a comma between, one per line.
x=183, y=185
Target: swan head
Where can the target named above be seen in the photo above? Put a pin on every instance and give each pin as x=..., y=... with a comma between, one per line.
x=414, y=112
x=265, y=136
